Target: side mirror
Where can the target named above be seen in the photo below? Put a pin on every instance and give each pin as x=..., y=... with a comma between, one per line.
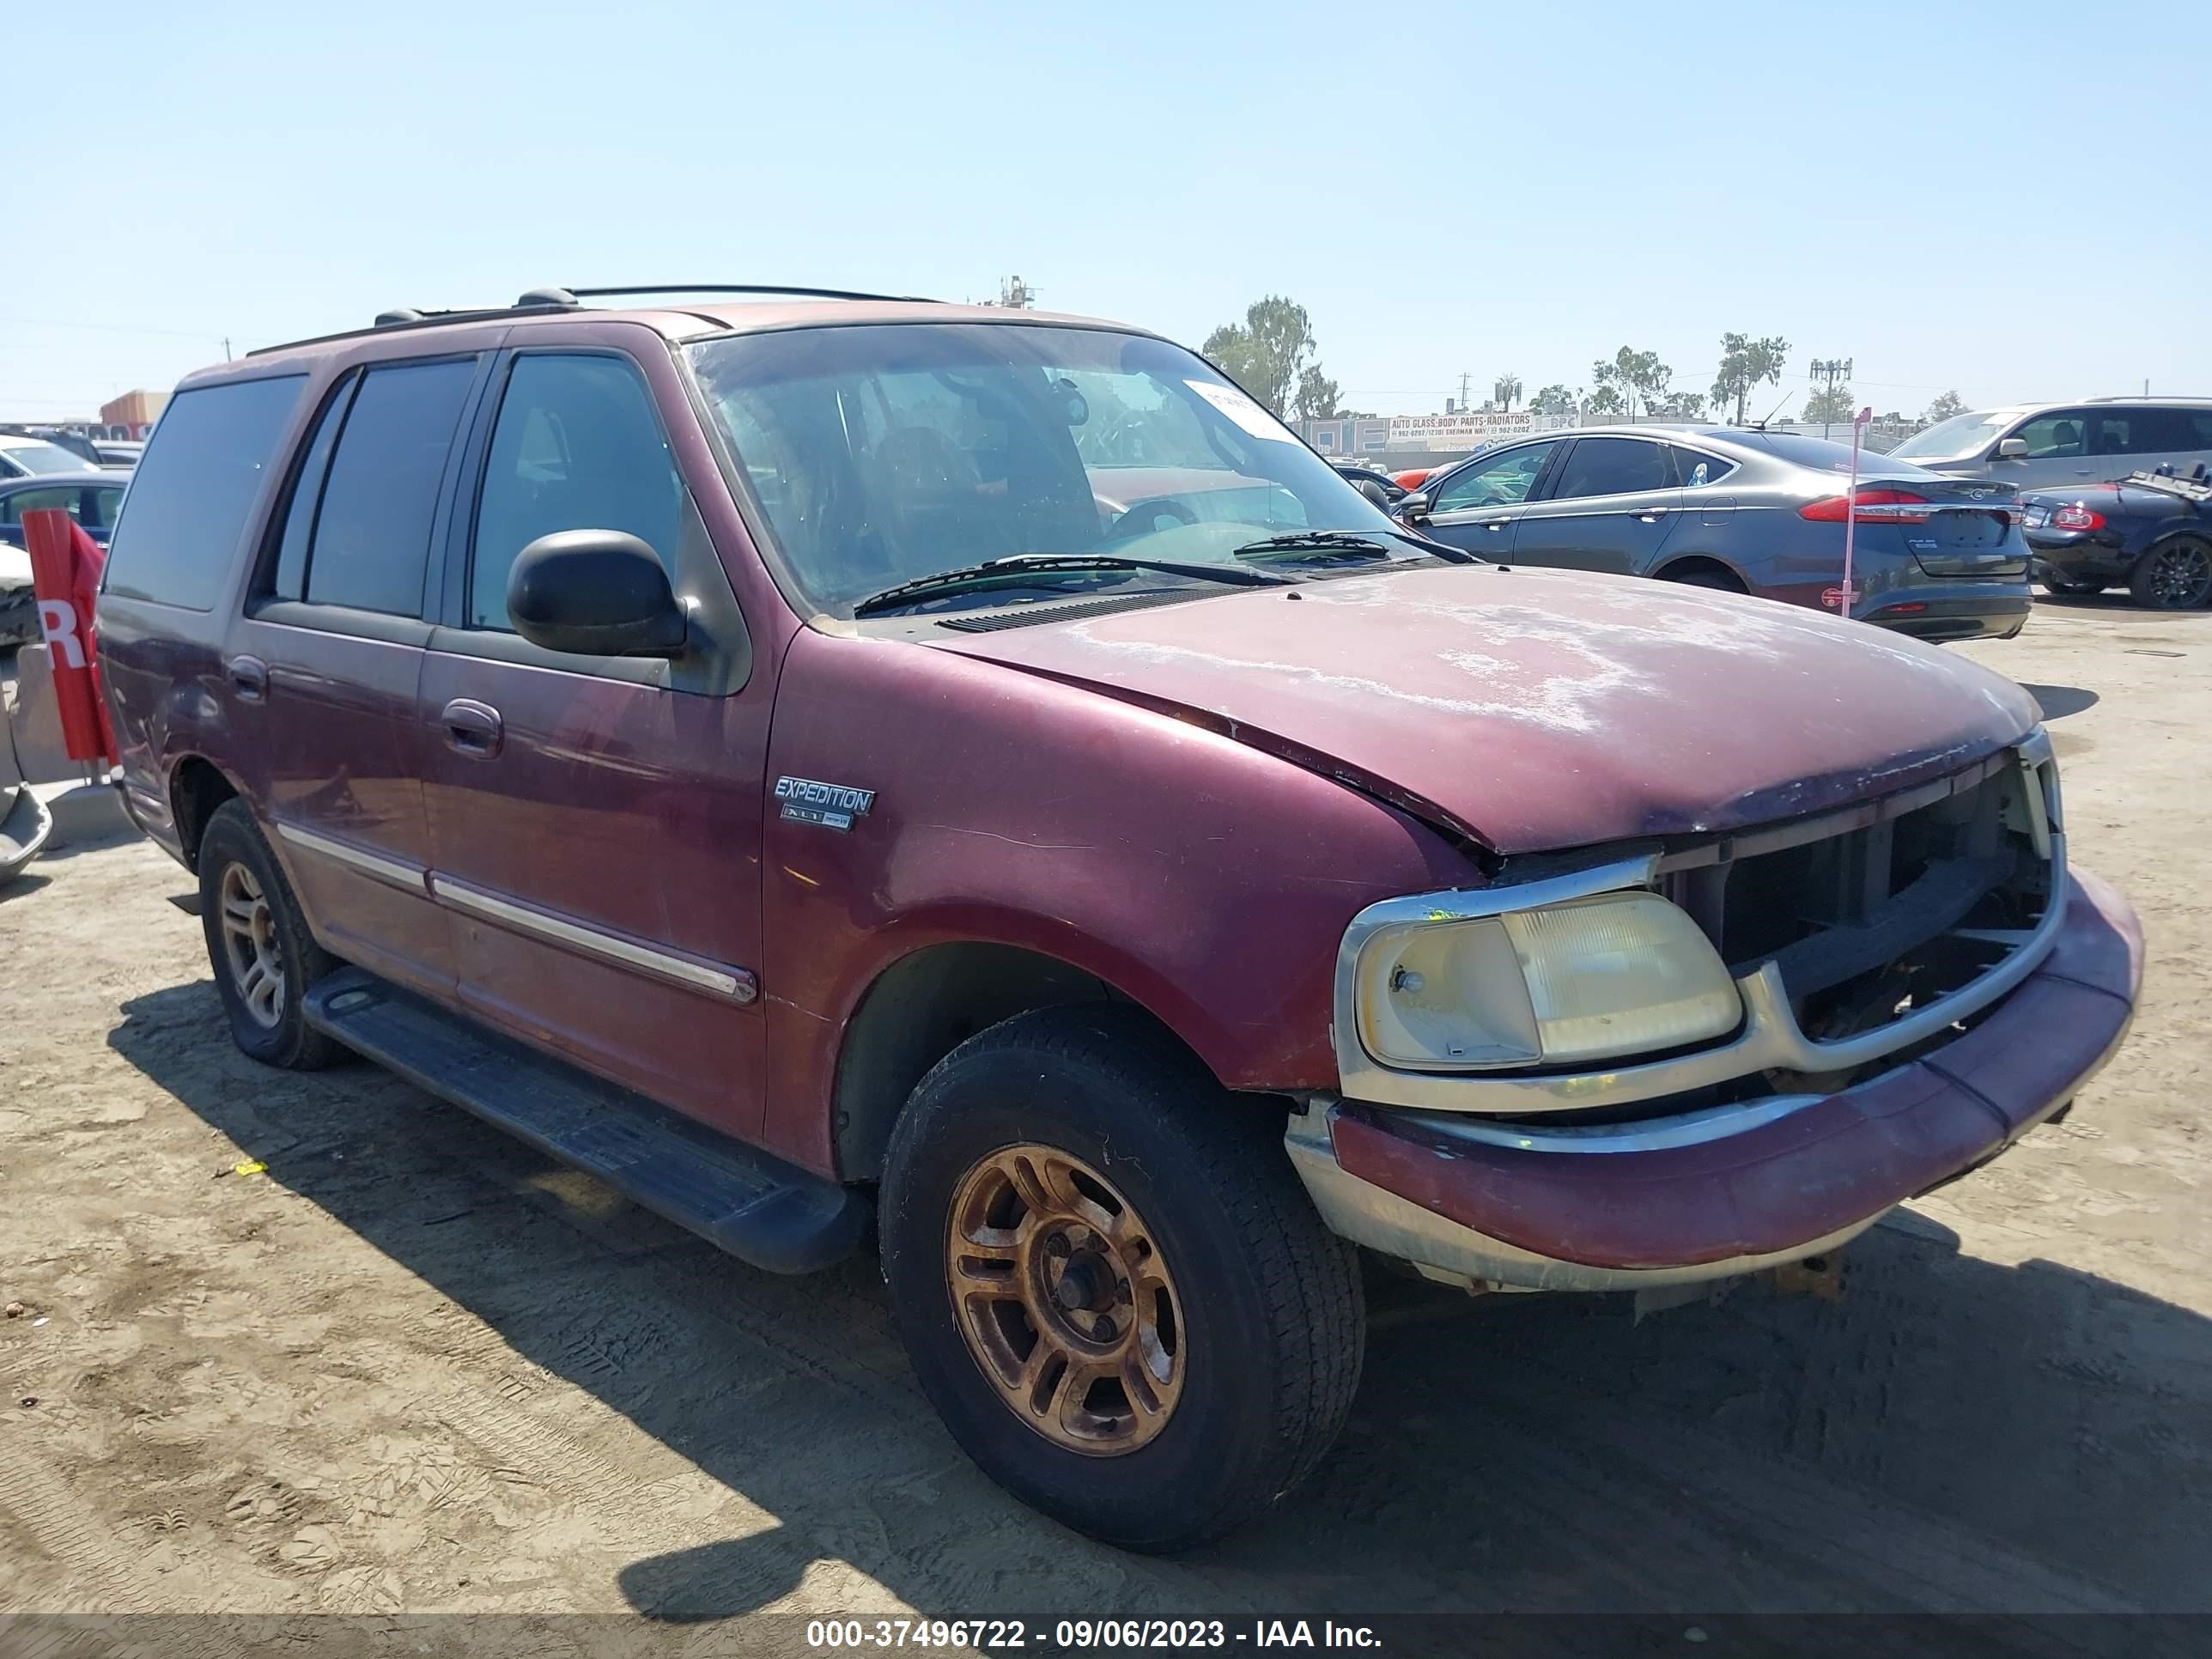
x=1414, y=507
x=594, y=593
x=2011, y=449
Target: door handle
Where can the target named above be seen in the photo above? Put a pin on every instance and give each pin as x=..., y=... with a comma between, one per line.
x=1503, y=523
x=249, y=678
x=1652, y=515
x=472, y=728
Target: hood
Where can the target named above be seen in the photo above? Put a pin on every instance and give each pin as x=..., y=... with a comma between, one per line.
x=1545, y=709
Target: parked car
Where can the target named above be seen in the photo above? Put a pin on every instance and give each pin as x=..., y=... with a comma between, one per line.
x=2151, y=533
x=92, y=499
x=731, y=748
x=1749, y=511
x=24, y=457
x=2059, y=446
x=118, y=452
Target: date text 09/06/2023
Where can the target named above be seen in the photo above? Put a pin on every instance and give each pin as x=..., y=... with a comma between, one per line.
x=1079, y=1635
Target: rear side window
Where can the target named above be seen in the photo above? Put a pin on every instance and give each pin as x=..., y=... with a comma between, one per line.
x=191, y=494
x=1613, y=466
x=371, y=540
x=577, y=446
x=2150, y=432
x=1696, y=467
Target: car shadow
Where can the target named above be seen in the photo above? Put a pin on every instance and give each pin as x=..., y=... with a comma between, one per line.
x=2057, y=701
x=2114, y=600
x=1953, y=1434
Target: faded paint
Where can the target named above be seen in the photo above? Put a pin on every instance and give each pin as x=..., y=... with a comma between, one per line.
x=1543, y=709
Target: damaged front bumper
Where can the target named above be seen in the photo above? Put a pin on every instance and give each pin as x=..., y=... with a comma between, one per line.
x=1731, y=1190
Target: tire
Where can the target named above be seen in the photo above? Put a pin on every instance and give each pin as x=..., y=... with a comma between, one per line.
x=1261, y=1317
x=1719, y=580
x=19, y=617
x=2175, y=574
x=2072, y=590
x=262, y=926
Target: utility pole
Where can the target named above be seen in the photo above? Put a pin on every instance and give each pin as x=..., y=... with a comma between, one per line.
x=1832, y=369
x=1464, y=377
x=226, y=347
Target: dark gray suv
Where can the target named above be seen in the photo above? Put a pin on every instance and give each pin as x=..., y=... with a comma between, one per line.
x=1749, y=511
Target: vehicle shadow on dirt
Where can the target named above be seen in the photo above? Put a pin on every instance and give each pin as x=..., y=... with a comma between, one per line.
x=1951, y=1435
x=2057, y=701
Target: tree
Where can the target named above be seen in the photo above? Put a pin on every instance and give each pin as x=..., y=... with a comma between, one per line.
x=1632, y=375
x=1944, y=408
x=1265, y=354
x=1744, y=363
x=1554, y=400
x=1829, y=405
x=1317, y=397
x=1603, y=401
x=1682, y=406
x=1505, y=389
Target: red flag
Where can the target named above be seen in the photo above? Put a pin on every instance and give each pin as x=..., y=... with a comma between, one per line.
x=65, y=565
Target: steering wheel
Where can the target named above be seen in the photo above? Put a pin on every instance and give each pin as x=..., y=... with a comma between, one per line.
x=1144, y=517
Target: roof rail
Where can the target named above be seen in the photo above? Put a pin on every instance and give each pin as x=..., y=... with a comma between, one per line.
x=568, y=299
x=576, y=294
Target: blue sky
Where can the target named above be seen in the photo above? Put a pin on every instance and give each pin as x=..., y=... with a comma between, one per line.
x=1953, y=196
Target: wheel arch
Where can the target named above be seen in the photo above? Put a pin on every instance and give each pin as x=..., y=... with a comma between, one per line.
x=921, y=1005
x=1681, y=566
x=197, y=787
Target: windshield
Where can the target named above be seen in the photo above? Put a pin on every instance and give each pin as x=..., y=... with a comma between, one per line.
x=33, y=455
x=1955, y=439
x=883, y=453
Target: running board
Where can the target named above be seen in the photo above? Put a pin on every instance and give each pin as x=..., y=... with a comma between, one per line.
x=760, y=1209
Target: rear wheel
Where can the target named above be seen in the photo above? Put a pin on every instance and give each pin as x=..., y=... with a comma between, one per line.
x=263, y=956
x=2174, y=576
x=1114, y=1289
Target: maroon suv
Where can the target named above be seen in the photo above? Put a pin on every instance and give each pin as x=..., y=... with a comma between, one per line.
x=818, y=762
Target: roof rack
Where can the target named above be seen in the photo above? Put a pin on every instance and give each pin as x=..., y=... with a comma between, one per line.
x=570, y=299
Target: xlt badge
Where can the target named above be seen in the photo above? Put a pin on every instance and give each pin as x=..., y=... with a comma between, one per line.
x=832, y=806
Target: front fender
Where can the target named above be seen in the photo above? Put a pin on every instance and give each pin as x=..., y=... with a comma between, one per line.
x=1203, y=879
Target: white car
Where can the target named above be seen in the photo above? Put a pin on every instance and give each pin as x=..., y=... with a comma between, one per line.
x=24, y=458
x=2057, y=446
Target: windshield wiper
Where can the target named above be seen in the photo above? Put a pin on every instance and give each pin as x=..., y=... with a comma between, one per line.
x=1347, y=541
x=1016, y=564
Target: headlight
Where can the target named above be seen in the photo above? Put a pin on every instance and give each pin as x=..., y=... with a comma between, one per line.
x=1589, y=979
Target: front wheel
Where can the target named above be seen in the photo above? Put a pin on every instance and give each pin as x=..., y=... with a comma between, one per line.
x=2174, y=576
x=1114, y=1289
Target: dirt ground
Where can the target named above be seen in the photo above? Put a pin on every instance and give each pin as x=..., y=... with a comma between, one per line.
x=414, y=1367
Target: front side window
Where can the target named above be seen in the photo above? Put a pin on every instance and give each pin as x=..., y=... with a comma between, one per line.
x=1613, y=466
x=372, y=531
x=191, y=495
x=576, y=446
x=1500, y=480
x=2056, y=437
x=105, y=504
x=886, y=453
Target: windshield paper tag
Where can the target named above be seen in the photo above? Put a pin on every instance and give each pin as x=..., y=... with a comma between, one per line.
x=1242, y=409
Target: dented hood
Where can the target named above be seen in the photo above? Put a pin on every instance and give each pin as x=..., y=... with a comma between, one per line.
x=1543, y=709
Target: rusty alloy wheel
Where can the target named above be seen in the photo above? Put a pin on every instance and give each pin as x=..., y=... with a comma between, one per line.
x=250, y=946
x=1065, y=1300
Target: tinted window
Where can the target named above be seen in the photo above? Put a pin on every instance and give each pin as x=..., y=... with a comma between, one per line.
x=577, y=446
x=372, y=539
x=1613, y=466
x=289, y=581
x=66, y=496
x=2054, y=437
x=190, y=496
x=2150, y=432
x=105, y=504
x=1499, y=480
